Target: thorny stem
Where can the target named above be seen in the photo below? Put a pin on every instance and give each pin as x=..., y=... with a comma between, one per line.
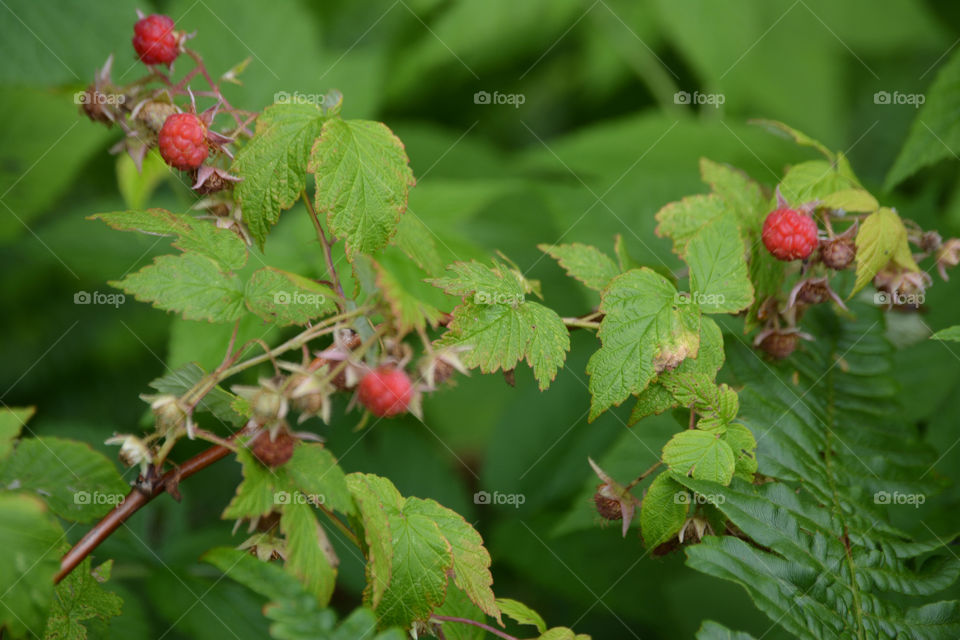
x=485, y=627
x=640, y=478
x=322, y=237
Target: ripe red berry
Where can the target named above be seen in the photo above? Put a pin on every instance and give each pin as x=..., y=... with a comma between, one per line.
x=183, y=141
x=155, y=41
x=789, y=234
x=386, y=391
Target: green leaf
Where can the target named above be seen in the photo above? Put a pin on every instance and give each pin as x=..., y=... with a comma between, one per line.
x=563, y=633
x=950, y=333
x=363, y=179
x=587, y=264
x=471, y=561
x=935, y=132
x=193, y=235
x=716, y=405
x=77, y=483
x=217, y=401
x=401, y=284
x=718, y=269
x=779, y=128
x=656, y=399
x=309, y=555
x=416, y=240
x=487, y=285
x=741, y=195
x=287, y=298
x=851, y=200
x=190, y=284
x=257, y=494
x=813, y=180
x=377, y=500
x=313, y=470
x=643, y=333
x=273, y=164
x=137, y=185
x=700, y=454
x=79, y=597
x=711, y=630
x=744, y=447
x=30, y=562
x=12, y=420
x=680, y=221
x=663, y=510
x=549, y=342
x=881, y=238
x=521, y=613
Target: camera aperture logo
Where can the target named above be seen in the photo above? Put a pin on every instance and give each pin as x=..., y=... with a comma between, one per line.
x=299, y=298
x=95, y=297
x=497, y=498
x=485, y=97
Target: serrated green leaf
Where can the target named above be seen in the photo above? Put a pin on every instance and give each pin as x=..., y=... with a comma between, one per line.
x=680, y=221
x=471, y=561
x=779, y=128
x=309, y=555
x=217, y=401
x=719, y=280
x=644, y=332
x=549, y=342
x=193, y=235
x=257, y=494
x=313, y=470
x=521, y=613
x=711, y=630
x=273, y=164
x=716, y=405
x=563, y=633
x=739, y=192
x=80, y=597
x=401, y=284
x=663, y=510
x=744, y=447
x=416, y=240
x=814, y=180
x=587, y=264
x=881, y=238
x=950, y=333
x=458, y=605
x=287, y=298
x=363, y=179
x=376, y=499
x=30, y=562
x=190, y=284
x=935, y=132
x=77, y=483
x=700, y=454
x=12, y=420
x=488, y=285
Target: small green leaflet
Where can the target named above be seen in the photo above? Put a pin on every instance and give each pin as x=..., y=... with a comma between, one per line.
x=222, y=246
x=26, y=575
x=881, y=238
x=781, y=129
x=287, y=298
x=711, y=630
x=950, y=333
x=740, y=193
x=309, y=554
x=273, y=164
x=643, y=333
x=257, y=494
x=416, y=240
x=521, y=613
x=217, y=401
x=401, y=284
x=77, y=483
x=852, y=200
x=744, y=446
x=663, y=511
x=719, y=280
x=499, y=325
x=81, y=597
x=715, y=405
x=816, y=179
x=563, y=633
x=700, y=454
x=412, y=546
x=682, y=220
x=363, y=181
x=587, y=264
x=314, y=471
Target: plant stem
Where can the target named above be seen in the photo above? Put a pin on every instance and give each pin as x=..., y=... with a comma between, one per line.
x=639, y=479
x=485, y=627
x=322, y=237
x=580, y=324
x=338, y=523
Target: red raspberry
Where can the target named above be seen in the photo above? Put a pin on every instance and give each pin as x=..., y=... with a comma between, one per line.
x=789, y=234
x=386, y=391
x=183, y=141
x=155, y=41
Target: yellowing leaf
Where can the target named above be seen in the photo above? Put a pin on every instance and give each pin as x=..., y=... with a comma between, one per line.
x=882, y=238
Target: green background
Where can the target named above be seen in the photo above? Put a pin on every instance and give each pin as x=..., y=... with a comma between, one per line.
x=598, y=144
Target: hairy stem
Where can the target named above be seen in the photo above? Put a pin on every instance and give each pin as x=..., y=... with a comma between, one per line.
x=325, y=243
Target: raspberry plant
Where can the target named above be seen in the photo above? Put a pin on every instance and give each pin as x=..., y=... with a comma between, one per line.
x=763, y=483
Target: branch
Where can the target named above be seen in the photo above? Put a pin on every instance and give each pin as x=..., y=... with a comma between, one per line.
x=133, y=502
x=485, y=627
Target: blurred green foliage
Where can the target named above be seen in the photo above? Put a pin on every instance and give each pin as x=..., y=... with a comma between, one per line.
x=598, y=144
